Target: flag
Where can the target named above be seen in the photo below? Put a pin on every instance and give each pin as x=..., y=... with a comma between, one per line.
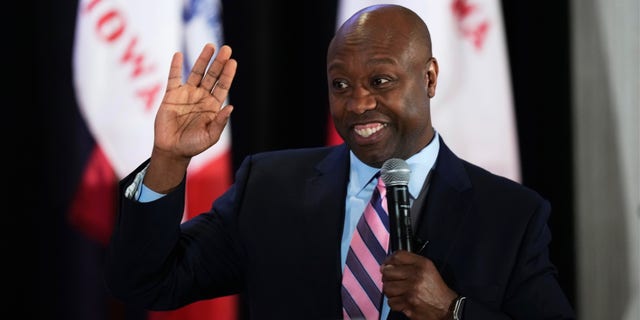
x=121, y=57
x=473, y=106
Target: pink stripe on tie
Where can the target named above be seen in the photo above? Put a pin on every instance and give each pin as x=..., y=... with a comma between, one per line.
x=366, y=259
x=367, y=307
x=378, y=229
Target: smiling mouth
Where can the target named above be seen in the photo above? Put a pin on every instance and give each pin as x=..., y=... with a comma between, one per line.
x=366, y=131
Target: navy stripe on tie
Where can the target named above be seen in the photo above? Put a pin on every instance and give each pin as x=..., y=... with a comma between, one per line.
x=349, y=305
x=370, y=240
x=382, y=214
x=363, y=277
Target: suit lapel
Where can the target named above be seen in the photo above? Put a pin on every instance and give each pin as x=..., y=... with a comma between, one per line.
x=447, y=204
x=324, y=210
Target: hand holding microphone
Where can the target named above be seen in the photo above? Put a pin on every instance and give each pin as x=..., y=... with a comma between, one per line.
x=395, y=174
x=409, y=276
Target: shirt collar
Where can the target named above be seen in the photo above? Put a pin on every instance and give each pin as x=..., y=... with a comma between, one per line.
x=420, y=165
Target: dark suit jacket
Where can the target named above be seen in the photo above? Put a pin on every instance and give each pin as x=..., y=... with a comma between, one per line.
x=274, y=236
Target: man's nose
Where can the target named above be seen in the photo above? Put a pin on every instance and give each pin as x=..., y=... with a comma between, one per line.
x=361, y=101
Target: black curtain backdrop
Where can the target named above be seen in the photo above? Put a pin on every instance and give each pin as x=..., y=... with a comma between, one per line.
x=281, y=102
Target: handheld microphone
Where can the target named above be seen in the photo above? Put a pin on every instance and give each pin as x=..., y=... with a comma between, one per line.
x=395, y=174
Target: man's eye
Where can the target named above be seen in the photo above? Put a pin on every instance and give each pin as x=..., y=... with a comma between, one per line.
x=380, y=81
x=340, y=84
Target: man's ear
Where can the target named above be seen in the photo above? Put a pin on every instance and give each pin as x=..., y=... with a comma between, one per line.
x=432, y=76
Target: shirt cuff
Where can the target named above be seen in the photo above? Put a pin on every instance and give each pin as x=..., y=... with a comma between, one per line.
x=137, y=191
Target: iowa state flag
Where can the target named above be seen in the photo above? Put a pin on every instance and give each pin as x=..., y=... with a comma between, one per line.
x=121, y=59
x=473, y=107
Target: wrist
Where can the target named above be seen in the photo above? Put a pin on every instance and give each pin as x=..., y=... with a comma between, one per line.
x=165, y=172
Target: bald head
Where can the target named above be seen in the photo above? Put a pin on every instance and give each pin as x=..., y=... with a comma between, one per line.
x=385, y=21
x=381, y=77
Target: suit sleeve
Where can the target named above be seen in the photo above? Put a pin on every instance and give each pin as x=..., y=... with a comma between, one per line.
x=156, y=262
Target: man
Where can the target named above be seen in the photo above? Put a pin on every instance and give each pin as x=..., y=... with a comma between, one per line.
x=281, y=234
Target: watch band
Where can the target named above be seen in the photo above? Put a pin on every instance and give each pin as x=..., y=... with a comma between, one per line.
x=458, y=307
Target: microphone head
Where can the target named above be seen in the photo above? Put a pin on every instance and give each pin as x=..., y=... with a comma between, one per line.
x=395, y=172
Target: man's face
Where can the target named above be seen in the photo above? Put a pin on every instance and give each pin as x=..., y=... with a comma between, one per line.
x=378, y=95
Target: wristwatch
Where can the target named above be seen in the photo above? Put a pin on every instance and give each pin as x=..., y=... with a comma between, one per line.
x=458, y=307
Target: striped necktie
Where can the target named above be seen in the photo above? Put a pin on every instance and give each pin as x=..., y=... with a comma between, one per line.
x=361, y=279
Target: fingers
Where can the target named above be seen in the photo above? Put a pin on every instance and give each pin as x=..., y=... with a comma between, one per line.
x=402, y=257
x=223, y=116
x=220, y=88
x=215, y=78
x=205, y=75
x=414, y=286
x=400, y=295
x=400, y=304
x=395, y=272
x=200, y=66
x=403, y=271
x=175, y=72
x=210, y=80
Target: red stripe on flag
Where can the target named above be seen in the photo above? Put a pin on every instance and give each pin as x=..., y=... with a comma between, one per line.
x=333, y=138
x=208, y=183
x=218, y=308
x=92, y=209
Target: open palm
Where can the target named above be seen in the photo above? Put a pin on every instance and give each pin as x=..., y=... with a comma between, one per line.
x=192, y=115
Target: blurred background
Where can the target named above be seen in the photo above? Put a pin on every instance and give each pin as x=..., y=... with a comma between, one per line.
x=565, y=117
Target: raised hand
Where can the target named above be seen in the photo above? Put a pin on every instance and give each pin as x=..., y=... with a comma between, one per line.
x=191, y=117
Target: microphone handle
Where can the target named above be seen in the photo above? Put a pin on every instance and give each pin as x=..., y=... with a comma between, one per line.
x=398, y=205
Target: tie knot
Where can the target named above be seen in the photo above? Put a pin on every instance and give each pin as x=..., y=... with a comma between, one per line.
x=376, y=177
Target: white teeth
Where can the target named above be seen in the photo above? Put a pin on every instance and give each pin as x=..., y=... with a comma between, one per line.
x=366, y=132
